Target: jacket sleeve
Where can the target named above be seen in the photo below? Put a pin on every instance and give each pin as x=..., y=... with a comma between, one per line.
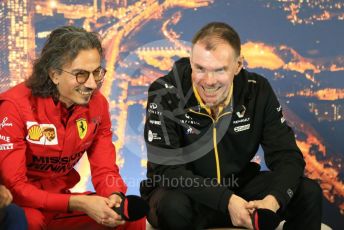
x=282, y=155
x=164, y=147
x=13, y=165
x=102, y=156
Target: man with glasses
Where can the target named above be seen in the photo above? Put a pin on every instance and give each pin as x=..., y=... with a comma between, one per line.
x=205, y=122
x=46, y=125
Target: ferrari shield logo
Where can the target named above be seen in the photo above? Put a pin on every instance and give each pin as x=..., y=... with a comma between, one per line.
x=81, y=124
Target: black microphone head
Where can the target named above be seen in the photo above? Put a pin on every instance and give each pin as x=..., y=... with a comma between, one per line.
x=136, y=208
x=265, y=219
x=132, y=208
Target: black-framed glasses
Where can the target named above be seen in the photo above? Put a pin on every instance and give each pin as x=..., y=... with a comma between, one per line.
x=82, y=76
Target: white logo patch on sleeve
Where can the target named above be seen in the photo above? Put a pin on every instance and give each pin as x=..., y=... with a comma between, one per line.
x=4, y=138
x=4, y=123
x=8, y=146
x=242, y=128
x=153, y=136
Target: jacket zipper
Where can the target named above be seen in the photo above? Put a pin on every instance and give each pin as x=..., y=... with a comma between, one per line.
x=217, y=160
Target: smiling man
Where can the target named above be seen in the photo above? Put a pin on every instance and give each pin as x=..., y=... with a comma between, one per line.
x=213, y=72
x=47, y=124
x=205, y=122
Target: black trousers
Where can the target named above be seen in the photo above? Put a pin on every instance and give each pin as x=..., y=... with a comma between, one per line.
x=171, y=209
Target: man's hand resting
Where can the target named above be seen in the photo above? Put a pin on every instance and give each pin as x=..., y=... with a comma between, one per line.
x=98, y=208
x=239, y=214
x=5, y=197
x=269, y=202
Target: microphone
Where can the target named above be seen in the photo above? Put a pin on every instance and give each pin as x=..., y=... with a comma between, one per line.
x=264, y=219
x=132, y=207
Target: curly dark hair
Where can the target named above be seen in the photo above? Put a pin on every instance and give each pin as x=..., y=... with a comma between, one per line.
x=210, y=33
x=61, y=47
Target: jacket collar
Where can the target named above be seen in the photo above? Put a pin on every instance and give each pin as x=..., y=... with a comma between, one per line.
x=222, y=106
x=58, y=109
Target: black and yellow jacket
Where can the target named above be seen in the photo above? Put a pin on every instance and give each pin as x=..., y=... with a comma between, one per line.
x=207, y=158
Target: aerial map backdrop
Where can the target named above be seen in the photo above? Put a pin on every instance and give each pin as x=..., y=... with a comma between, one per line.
x=296, y=44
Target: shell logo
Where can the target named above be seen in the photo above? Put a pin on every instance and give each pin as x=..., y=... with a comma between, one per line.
x=35, y=133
